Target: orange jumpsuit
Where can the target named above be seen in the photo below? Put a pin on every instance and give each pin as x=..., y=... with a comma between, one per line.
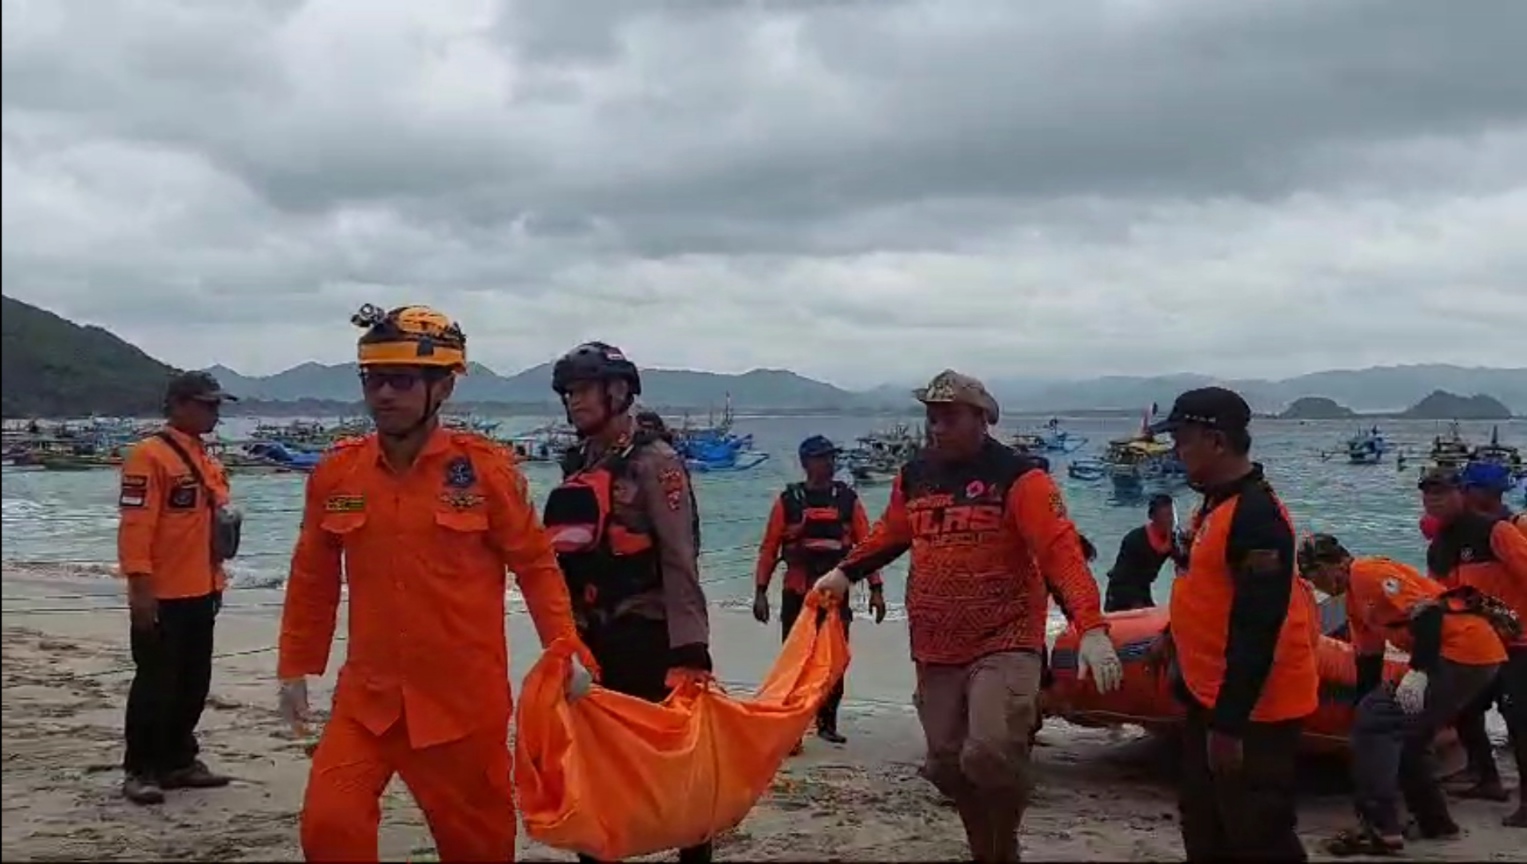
x=424, y=691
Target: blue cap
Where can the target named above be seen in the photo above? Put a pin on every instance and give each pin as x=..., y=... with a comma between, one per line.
x=817, y=446
x=1486, y=476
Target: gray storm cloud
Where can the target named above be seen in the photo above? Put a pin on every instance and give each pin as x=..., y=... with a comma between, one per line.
x=860, y=191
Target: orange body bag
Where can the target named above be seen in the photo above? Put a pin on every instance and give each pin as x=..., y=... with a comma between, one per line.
x=615, y=777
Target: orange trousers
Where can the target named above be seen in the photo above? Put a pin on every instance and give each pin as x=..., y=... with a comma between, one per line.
x=464, y=788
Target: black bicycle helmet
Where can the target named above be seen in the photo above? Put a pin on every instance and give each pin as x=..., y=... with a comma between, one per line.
x=594, y=361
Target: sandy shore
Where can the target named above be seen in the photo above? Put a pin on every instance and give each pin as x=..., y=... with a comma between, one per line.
x=65, y=678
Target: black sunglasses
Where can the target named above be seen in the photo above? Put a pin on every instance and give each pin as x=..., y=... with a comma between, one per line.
x=398, y=380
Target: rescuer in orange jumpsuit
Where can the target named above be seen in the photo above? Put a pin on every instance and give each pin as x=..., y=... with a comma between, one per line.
x=420, y=522
x=627, y=535
x=990, y=538
x=174, y=495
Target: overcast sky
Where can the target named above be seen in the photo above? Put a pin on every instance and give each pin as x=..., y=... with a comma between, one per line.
x=860, y=191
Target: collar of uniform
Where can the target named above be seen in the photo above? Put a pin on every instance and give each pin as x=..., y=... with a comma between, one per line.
x=1216, y=494
x=594, y=450
x=439, y=442
x=185, y=439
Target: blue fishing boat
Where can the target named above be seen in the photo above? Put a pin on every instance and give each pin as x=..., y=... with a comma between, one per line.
x=1367, y=447
x=1058, y=440
x=728, y=454
x=278, y=455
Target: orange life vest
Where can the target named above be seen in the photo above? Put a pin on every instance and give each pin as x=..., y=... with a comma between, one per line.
x=605, y=562
x=1202, y=597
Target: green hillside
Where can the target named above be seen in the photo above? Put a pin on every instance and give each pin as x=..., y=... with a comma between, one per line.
x=51, y=367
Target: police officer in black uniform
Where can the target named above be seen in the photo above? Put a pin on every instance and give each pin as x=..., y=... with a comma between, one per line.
x=624, y=525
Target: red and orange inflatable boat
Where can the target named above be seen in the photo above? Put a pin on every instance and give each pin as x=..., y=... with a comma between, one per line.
x=1145, y=699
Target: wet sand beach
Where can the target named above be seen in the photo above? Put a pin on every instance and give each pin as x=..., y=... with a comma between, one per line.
x=1101, y=796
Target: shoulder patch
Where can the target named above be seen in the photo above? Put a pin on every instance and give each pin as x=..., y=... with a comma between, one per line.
x=134, y=492
x=1391, y=586
x=1057, y=504
x=670, y=479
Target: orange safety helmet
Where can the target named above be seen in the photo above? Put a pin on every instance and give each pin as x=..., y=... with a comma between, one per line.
x=410, y=336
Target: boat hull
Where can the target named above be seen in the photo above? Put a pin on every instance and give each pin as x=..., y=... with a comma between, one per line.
x=1145, y=698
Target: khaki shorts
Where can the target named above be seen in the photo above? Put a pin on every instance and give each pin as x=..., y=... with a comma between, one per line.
x=977, y=720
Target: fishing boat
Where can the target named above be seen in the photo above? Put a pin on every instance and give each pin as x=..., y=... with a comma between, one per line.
x=1500, y=454
x=878, y=457
x=1367, y=447
x=77, y=461
x=308, y=435
x=1450, y=450
x=272, y=456
x=1087, y=469
x=715, y=428
x=471, y=423
x=1140, y=461
x=1027, y=442
x=726, y=455
x=544, y=443
x=1135, y=462
x=1056, y=439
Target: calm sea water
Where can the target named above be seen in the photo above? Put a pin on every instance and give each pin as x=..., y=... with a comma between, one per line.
x=69, y=518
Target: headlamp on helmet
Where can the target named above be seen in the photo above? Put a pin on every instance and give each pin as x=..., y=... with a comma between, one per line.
x=410, y=336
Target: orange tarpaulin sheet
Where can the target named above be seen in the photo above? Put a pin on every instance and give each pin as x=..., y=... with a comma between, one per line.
x=615, y=777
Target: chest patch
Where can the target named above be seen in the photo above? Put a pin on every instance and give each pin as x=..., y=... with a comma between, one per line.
x=344, y=504
x=459, y=473
x=460, y=501
x=183, y=495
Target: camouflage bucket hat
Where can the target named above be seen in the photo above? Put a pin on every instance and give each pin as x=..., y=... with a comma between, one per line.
x=951, y=388
x=1318, y=549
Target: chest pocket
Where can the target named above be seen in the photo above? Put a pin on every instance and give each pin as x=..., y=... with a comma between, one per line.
x=460, y=524
x=342, y=524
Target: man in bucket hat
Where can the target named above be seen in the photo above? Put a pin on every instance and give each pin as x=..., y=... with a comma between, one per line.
x=989, y=537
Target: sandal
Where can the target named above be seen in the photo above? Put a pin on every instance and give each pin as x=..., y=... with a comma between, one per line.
x=1363, y=841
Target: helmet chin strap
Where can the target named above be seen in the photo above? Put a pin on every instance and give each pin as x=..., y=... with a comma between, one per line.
x=432, y=406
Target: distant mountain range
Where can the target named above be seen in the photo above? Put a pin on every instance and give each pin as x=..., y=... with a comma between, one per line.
x=1378, y=389
x=55, y=367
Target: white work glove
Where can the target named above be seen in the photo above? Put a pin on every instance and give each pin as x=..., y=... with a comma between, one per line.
x=579, y=680
x=294, y=706
x=1097, y=655
x=1410, y=693
x=834, y=582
